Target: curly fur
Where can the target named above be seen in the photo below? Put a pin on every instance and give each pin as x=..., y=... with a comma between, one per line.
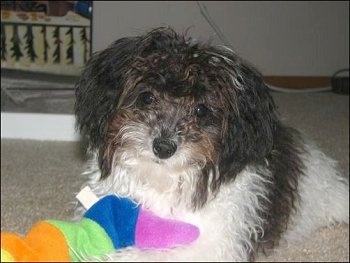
x=228, y=164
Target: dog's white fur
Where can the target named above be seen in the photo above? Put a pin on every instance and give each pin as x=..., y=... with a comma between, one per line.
x=229, y=220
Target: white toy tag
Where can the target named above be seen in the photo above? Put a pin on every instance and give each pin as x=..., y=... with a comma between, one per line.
x=86, y=197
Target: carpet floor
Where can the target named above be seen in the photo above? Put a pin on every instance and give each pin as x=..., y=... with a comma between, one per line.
x=39, y=179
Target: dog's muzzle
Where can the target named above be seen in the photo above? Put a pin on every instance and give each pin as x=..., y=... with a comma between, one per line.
x=164, y=148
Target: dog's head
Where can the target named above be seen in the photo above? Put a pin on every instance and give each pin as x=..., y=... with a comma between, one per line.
x=164, y=101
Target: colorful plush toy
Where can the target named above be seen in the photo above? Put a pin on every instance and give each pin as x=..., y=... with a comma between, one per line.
x=110, y=223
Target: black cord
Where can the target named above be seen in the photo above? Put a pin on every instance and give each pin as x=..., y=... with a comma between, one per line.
x=340, y=84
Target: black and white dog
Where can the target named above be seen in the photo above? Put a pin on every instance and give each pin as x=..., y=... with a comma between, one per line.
x=190, y=131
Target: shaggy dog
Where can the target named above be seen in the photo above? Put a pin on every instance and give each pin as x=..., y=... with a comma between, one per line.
x=190, y=131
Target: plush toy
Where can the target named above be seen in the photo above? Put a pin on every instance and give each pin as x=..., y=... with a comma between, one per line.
x=110, y=223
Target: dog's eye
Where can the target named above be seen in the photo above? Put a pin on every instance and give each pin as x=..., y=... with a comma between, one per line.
x=146, y=98
x=201, y=111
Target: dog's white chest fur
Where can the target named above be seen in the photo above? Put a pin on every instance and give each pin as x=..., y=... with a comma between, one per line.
x=230, y=221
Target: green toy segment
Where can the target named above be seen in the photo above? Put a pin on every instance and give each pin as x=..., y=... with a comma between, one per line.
x=6, y=256
x=85, y=239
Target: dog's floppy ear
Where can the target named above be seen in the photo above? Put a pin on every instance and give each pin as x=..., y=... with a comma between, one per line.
x=250, y=128
x=100, y=86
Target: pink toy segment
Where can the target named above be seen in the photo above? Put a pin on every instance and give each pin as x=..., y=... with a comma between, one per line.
x=153, y=232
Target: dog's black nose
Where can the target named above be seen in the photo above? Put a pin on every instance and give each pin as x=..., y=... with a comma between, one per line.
x=164, y=148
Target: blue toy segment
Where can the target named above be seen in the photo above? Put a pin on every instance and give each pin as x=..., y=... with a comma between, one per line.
x=118, y=217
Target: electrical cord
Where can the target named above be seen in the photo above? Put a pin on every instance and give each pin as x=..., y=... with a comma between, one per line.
x=340, y=84
x=304, y=90
x=205, y=13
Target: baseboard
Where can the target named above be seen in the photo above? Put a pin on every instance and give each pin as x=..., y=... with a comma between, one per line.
x=298, y=82
x=34, y=126
x=59, y=127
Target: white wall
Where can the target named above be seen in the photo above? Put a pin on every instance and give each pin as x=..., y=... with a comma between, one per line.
x=281, y=38
x=35, y=126
x=309, y=38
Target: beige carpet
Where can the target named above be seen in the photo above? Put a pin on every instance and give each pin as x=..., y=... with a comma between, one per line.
x=40, y=179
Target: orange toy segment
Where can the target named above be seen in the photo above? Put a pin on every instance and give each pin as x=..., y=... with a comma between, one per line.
x=18, y=249
x=52, y=245
x=44, y=242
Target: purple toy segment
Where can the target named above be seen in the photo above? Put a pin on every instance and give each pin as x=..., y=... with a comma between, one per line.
x=153, y=232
